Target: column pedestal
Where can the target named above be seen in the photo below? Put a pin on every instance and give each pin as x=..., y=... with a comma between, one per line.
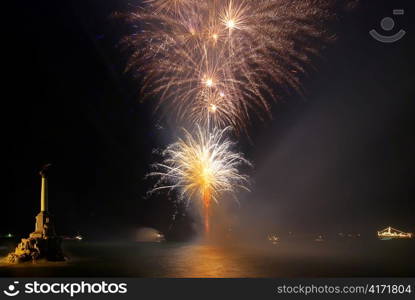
x=43, y=243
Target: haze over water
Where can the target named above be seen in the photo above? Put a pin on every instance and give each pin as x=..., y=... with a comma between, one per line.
x=349, y=257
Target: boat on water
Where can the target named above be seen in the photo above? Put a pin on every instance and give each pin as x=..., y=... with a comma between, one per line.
x=390, y=233
x=273, y=238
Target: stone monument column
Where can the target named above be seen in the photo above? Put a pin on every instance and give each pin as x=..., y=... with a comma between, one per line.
x=44, y=193
x=44, y=226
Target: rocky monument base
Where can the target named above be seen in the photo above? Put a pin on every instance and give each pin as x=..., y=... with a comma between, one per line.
x=43, y=243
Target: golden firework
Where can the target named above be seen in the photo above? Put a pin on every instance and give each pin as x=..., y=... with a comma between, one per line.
x=233, y=54
x=201, y=167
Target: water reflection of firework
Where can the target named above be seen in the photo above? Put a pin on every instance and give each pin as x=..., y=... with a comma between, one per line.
x=201, y=167
x=226, y=55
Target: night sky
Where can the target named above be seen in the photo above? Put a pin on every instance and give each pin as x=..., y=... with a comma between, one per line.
x=341, y=158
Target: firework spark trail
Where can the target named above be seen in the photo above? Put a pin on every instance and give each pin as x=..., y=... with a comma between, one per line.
x=201, y=167
x=219, y=60
x=212, y=63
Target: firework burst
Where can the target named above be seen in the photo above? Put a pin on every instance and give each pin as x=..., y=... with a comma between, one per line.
x=201, y=167
x=215, y=61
